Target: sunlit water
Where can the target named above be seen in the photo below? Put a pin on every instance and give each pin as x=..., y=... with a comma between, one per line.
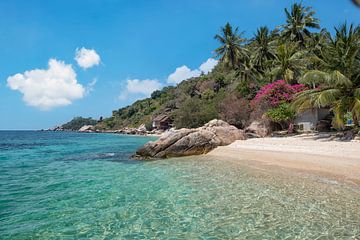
x=83, y=186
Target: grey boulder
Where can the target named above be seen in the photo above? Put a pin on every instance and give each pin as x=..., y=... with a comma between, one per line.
x=186, y=142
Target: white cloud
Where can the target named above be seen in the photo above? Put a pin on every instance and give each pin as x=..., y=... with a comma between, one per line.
x=208, y=66
x=136, y=88
x=90, y=86
x=182, y=73
x=87, y=58
x=48, y=88
x=145, y=87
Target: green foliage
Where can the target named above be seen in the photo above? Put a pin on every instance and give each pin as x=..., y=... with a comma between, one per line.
x=328, y=65
x=281, y=114
x=208, y=94
x=194, y=113
x=77, y=122
x=231, y=51
x=298, y=22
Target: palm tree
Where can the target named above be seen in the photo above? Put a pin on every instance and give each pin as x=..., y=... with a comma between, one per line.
x=318, y=41
x=288, y=62
x=342, y=53
x=231, y=51
x=248, y=71
x=262, y=45
x=333, y=90
x=298, y=22
x=338, y=85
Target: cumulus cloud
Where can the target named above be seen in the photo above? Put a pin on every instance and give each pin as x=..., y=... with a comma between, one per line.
x=87, y=58
x=182, y=73
x=48, y=88
x=140, y=88
x=145, y=87
x=208, y=66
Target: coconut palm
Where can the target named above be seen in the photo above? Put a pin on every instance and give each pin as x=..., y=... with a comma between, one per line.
x=288, y=63
x=231, y=51
x=332, y=90
x=248, y=71
x=298, y=22
x=262, y=45
x=318, y=41
x=338, y=86
x=342, y=53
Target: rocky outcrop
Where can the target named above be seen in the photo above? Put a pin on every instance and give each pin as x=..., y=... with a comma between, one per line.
x=86, y=128
x=185, y=142
x=137, y=131
x=56, y=129
x=258, y=129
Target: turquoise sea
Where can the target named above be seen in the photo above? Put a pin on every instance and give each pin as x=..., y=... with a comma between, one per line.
x=60, y=185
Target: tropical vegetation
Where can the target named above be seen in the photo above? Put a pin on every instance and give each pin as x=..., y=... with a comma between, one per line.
x=275, y=74
x=77, y=122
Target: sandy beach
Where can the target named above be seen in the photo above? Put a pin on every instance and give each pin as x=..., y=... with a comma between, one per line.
x=306, y=153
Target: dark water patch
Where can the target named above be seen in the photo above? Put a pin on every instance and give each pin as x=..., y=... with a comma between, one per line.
x=19, y=146
x=108, y=156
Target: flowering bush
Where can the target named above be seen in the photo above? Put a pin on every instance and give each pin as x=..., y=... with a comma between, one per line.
x=277, y=92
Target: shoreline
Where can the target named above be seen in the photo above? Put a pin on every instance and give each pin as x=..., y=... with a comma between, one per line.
x=106, y=132
x=303, y=153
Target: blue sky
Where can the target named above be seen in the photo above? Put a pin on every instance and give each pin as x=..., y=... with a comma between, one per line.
x=139, y=43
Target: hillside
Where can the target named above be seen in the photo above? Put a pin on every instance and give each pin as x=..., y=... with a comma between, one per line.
x=77, y=122
x=190, y=104
x=292, y=68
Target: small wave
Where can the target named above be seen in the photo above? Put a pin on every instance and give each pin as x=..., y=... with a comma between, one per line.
x=105, y=155
x=109, y=154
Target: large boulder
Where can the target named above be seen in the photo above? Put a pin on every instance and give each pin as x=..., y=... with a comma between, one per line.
x=86, y=128
x=185, y=142
x=258, y=129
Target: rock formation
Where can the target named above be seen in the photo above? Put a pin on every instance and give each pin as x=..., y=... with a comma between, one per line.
x=86, y=128
x=185, y=142
x=258, y=129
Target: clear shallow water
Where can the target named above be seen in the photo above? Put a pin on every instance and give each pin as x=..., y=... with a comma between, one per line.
x=56, y=185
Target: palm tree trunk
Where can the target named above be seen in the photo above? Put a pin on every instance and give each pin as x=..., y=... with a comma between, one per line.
x=355, y=120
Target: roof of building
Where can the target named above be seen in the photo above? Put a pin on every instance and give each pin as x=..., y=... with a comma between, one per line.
x=161, y=118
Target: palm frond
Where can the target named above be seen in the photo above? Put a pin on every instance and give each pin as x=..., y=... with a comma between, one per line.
x=339, y=80
x=314, y=78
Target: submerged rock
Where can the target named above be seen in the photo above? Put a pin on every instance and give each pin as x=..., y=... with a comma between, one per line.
x=185, y=142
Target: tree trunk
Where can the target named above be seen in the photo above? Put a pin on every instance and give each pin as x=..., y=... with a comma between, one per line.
x=355, y=120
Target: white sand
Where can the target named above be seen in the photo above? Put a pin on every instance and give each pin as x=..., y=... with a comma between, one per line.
x=304, y=152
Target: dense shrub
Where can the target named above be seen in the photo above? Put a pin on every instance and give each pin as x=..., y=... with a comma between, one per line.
x=208, y=94
x=194, y=113
x=77, y=122
x=282, y=114
x=235, y=110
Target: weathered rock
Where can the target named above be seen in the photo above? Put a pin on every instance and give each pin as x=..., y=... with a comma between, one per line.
x=185, y=142
x=86, y=128
x=56, y=129
x=323, y=126
x=258, y=129
x=142, y=128
x=357, y=137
